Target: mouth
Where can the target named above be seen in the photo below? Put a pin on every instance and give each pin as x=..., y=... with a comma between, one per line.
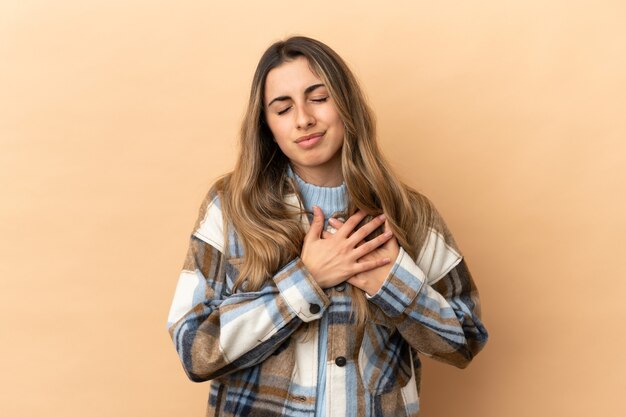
x=310, y=141
x=311, y=137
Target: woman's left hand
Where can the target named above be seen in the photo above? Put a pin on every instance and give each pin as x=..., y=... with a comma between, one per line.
x=371, y=281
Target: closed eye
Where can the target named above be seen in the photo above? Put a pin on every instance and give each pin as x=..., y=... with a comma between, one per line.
x=314, y=100
x=283, y=111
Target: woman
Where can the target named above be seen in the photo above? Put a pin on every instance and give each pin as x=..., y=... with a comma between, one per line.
x=293, y=316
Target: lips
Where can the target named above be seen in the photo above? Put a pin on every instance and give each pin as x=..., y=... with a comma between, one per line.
x=309, y=137
x=309, y=141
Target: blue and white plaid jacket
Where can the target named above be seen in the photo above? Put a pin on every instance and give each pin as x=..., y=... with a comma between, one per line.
x=260, y=349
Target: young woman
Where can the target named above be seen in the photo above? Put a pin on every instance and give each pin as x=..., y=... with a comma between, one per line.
x=293, y=315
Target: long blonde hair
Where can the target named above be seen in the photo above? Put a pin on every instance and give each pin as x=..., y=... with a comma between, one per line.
x=253, y=193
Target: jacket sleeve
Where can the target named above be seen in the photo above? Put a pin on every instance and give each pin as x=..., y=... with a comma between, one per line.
x=433, y=302
x=215, y=331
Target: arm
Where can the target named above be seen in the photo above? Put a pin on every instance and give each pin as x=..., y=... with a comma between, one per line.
x=433, y=301
x=216, y=332
x=440, y=319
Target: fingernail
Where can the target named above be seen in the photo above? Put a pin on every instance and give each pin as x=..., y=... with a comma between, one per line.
x=332, y=220
x=388, y=233
x=381, y=217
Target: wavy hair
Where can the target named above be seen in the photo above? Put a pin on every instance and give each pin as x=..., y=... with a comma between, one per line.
x=253, y=194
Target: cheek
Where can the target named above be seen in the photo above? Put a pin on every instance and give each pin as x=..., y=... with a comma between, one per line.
x=278, y=128
x=332, y=117
x=340, y=128
x=337, y=124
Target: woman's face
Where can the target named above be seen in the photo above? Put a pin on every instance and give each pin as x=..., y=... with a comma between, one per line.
x=304, y=121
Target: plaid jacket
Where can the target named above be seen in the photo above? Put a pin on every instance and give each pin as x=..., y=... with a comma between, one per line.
x=260, y=349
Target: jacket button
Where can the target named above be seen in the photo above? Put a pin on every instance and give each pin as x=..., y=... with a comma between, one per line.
x=340, y=361
x=314, y=308
x=341, y=287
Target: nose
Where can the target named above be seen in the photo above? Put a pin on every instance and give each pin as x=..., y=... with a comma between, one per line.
x=304, y=118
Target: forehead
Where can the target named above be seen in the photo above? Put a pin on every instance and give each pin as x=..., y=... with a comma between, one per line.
x=289, y=79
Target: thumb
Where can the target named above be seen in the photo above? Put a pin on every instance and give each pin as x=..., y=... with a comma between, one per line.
x=315, y=231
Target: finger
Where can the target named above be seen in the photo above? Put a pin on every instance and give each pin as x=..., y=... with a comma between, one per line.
x=336, y=223
x=367, y=247
x=369, y=265
x=368, y=228
x=351, y=223
x=326, y=234
x=317, y=225
x=393, y=243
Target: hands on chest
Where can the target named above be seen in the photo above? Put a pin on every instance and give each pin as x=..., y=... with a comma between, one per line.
x=345, y=255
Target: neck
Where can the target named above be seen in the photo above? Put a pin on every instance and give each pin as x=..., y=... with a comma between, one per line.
x=330, y=199
x=322, y=176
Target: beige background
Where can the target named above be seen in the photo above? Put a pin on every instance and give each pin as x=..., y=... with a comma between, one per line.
x=116, y=116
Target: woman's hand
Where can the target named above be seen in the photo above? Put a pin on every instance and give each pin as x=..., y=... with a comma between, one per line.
x=342, y=255
x=371, y=280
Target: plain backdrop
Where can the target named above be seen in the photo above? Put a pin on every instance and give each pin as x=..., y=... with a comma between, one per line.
x=117, y=116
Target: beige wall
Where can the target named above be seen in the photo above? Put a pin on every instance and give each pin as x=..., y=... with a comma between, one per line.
x=116, y=116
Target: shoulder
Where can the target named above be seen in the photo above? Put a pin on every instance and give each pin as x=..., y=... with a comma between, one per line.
x=438, y=252
x=209, y=226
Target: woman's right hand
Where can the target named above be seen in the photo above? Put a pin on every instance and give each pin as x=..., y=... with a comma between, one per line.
x=335, y=259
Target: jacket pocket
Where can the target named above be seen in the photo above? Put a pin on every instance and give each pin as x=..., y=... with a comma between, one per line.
x=384, y=360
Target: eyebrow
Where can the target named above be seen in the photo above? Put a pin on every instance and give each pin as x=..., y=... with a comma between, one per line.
x=306, y=91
